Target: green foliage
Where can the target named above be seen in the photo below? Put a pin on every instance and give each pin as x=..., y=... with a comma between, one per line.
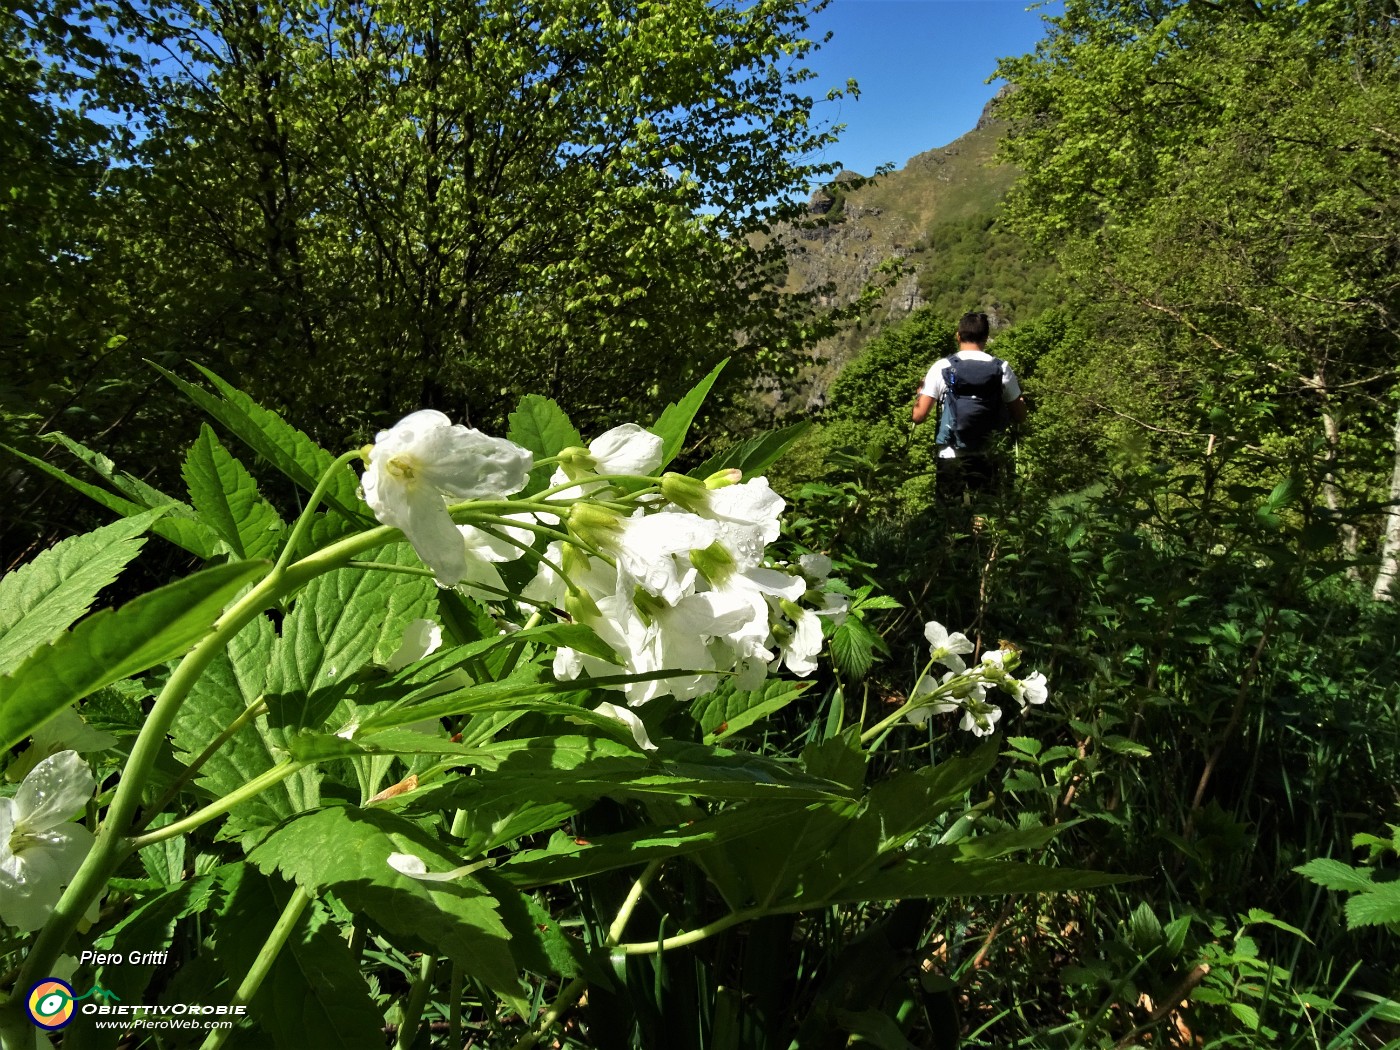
x=304, y=804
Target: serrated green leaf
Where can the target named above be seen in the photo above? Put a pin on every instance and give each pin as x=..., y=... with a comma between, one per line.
x=1379, y=906
x=1175, y=933
x=1144, y=929
x=235, y=680
x=755, y=455
x=1000, y=843
x=878, y=601
x=111, y=645
x=314, y=996
x=347, y=850
x=183, y=531
x=226, y=498
x=1123, y=746
x=1247, y=1015
x=343, y=619
x=574, y=768
x=726, y=711
x=1027, y=745
x=42, y=599
x=275, y=440
x=537, y=940
x=568, y=857
x=930, y=873
x=1260, y=916
x=1335, y=875
x=544, y=428
x=674, y=422
x=853, y=647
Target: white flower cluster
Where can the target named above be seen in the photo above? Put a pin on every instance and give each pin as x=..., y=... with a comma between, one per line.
x=965, y=689
x=670, y=572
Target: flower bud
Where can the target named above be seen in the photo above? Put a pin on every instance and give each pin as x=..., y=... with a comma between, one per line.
x=580, y=606
x=576, y=461
x=724, y=478
x=715, y=563
x=685, y=492
x=791, y=610
x=592, y=524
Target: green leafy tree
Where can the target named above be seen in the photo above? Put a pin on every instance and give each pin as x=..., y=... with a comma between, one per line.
x=457, y=207
x=1215, y=179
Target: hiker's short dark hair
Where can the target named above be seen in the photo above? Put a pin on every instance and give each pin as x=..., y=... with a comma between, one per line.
x=974, y=328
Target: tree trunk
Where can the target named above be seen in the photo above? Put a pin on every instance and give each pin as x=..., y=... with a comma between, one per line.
x=1390, y=541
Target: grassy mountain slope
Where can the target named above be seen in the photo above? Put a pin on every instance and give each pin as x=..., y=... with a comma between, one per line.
x=934, y=222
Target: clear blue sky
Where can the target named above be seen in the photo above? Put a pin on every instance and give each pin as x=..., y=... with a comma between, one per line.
x=921, y=66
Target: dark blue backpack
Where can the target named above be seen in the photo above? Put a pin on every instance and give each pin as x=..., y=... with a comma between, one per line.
x=972, y=406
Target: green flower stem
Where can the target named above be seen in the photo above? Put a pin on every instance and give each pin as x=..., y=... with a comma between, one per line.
x=112, y=845
x=218, y=808
x=257, y=707
x=592, y=481
x=680, y=940
x=905, y=708
x=563, y=1002
x=454, y=1007
x=572, y=991
x=384, y=566
x=304, y=522
x=417, y=999
x=262, y=965
x=629, y=904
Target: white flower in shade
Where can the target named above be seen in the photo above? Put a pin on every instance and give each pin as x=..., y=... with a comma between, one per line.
x=1031, y=690
x=421, y=463
x=40, y=848
x=420, y=638
x=68, y=731
x=648, y=635
x=801, y=645
x=816, y=567
x=928, y=686
x=630, y=720
x=947, y=649
x=487, y=548
x=980, y=718
x=836, y=606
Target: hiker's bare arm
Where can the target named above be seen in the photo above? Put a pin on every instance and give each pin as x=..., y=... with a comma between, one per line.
x=923, y=404
x=1016, y=410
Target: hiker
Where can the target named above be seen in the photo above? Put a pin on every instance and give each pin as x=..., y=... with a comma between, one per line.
x=979, y=395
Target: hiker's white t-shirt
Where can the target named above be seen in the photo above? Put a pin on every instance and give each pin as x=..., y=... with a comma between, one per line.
x=935, y=388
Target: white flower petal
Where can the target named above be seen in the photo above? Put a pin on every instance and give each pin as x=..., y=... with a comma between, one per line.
x=415, y=868
x=66, y=731
x=752, y=503
x=55, y=791
x=800, y=655
x=627, y=449
x=427, y=525
x=630, y=720
x=420, y=638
